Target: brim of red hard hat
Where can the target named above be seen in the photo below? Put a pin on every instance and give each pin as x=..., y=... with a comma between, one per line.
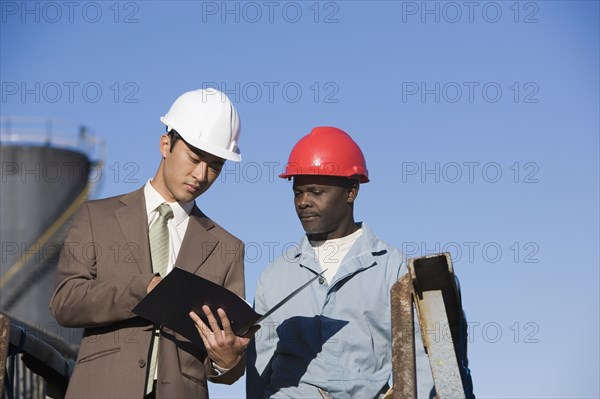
x=361, y=178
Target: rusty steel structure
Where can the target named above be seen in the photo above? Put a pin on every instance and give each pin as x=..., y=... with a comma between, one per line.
x=429, y=287
x=4, y=334
x=404, y=373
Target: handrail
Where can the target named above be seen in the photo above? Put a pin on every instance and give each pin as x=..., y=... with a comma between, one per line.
x=42, y=354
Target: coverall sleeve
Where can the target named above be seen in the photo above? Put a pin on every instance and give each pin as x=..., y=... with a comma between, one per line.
x=261, y=350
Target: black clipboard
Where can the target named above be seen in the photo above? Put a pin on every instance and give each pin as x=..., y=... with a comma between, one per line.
x=180, y=292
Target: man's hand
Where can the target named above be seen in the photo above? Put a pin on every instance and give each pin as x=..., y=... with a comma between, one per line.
x=153, y=283
x=224, y=348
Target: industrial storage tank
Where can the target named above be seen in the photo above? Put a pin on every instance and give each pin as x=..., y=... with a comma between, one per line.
x=48, y=168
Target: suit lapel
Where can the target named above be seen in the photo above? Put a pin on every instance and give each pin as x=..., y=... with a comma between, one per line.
x=133, y=219
x=197, y=243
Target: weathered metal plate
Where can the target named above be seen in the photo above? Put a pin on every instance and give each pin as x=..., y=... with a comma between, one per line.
x=442, y=357
x=404, y=372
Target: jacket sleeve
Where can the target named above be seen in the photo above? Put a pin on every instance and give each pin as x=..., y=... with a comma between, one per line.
x=261, y=351
x=234, y=281
x=81, y=298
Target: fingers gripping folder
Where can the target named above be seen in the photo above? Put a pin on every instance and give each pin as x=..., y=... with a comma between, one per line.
x=180, y=292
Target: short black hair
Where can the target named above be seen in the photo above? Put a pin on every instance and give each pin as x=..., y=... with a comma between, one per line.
x=174, y=136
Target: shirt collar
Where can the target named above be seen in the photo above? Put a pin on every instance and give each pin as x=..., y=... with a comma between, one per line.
x=181, y=210
x=367, y=241
x=363, y=254
x=338, y=241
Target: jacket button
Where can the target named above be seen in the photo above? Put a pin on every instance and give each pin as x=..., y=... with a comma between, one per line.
x=321, y=280
x=142, y=363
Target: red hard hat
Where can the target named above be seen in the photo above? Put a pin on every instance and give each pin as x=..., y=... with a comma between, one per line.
x=327, y=151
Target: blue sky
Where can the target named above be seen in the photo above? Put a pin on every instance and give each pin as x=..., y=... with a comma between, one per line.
x=479, y=122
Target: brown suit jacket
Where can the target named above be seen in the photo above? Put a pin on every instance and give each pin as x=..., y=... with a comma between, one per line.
x=104, y=271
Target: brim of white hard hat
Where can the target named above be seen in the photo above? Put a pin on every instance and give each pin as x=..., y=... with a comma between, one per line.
x=205, y=146
x=214, y=150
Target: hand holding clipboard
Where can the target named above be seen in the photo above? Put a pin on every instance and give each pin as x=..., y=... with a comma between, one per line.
x=180, y=292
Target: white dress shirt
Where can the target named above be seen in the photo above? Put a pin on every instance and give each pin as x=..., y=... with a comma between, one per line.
x=177, y=225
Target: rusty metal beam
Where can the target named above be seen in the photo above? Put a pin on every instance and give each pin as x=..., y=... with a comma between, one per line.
x=438, y=341
x=4, y=341
x=431, y=287
x=437, y=302
x=435, y=272
x=404, y=371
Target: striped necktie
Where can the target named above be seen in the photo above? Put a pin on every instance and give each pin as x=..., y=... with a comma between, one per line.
x=159, y=250
x=159, y=240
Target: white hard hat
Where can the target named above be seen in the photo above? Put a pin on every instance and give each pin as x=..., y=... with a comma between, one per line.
x=207, y=120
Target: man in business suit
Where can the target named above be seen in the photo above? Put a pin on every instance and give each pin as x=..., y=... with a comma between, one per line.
x=112, y=258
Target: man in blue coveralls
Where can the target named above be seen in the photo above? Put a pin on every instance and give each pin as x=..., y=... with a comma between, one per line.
x=333, y=340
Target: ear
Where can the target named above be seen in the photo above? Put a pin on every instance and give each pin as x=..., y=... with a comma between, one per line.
x=165, y=145
x=352, y=193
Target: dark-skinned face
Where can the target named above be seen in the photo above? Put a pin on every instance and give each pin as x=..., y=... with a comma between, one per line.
x=324, y=206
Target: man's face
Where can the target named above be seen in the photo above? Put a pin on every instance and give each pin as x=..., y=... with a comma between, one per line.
x=187, y=172
x=324, y=206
